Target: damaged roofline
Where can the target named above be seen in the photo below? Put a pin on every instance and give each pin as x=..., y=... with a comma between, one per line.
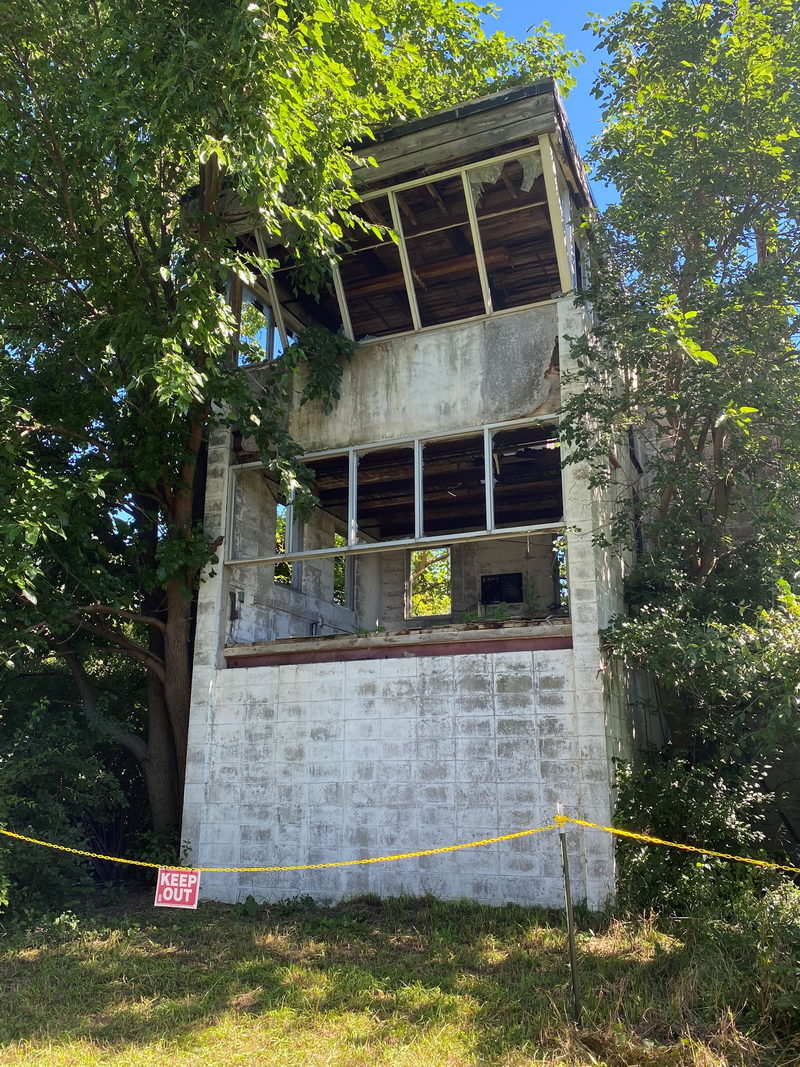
x=461, y=111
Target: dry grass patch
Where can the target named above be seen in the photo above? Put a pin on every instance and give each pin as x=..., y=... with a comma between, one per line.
x=398, y=983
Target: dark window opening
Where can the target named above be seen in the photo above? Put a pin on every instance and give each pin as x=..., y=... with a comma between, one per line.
x=501, y=588
x=385, y=499
x=454, y=486
x=527, y=476
x=372, y=275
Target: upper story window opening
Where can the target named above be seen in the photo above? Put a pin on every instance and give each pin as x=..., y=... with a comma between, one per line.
x=470, y=241
x=259, y=335
x=484, y=237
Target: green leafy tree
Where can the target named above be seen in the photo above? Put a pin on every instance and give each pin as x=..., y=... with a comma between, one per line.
x=61, y=779
x=430, y=582
x=695, y=290
x=127, y=130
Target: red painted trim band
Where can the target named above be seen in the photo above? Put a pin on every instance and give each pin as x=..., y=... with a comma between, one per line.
x=427, y=648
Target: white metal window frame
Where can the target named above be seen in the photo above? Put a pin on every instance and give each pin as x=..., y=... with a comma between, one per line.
x=558, y=222
x=356, y=547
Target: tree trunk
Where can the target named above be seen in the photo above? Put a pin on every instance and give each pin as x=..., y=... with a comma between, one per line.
x=178, y=683
x=160, y=766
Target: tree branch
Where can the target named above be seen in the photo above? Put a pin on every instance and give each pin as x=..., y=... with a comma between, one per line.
x=123, y=613
x=114, y=637
x=130, y=741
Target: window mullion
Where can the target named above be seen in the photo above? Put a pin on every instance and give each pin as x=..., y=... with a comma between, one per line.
x=418, y=491
x=488, y=466
x=230, y=501
x=277, y=310
x=405, y=262
x=476, y=243
x=344, y=310
x=352, y=499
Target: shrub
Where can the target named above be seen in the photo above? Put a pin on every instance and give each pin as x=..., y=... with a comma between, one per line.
x=718, y=804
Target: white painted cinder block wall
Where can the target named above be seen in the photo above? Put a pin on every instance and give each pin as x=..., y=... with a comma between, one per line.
x=318, y=762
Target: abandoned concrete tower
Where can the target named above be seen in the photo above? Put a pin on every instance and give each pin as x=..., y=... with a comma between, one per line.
x=417, y=663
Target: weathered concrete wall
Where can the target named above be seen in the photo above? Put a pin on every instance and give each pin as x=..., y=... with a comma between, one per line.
x=595, y=589
x=318, y=762
x=450, y=378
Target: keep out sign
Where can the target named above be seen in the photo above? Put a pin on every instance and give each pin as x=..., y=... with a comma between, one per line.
x=177, y=887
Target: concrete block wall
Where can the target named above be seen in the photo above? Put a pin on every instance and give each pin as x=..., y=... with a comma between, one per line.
x=595, y=578
x=314, y=763
x=319, y=762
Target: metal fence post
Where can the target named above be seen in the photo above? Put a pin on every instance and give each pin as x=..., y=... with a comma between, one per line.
x=573, y=960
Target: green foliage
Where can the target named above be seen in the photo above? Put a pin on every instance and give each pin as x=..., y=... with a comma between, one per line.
x=695, y=290
x=54, y=785
x=719, y=804
x=132, y=136
x=733, y=685
x=701, y=145
x=430, y=582
x=249, y=908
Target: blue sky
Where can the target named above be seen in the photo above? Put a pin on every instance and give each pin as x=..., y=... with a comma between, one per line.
x=567, y=17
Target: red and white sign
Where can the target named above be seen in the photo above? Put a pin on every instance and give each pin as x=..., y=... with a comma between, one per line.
x=177, y=887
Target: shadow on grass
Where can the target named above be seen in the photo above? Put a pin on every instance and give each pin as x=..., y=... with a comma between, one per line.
x=402, y=967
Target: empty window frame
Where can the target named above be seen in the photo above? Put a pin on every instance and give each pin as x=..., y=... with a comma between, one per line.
x=373, y=273
x=322, y=530
x=385, y=494
x=526, y=479
x=304, y=297
x=470, y=241
x=460, y=487
x=515, y=232
x=429, y=582
x=259, y=336
x=441, y=252
x=453, y=485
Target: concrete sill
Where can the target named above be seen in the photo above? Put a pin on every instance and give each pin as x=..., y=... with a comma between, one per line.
x=452, y=639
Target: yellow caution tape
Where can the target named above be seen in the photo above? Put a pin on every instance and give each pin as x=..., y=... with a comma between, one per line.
x=560, y=820
x=295, y=867
x=80, y=851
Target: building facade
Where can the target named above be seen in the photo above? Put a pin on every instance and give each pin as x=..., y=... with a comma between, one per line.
x=416, y=663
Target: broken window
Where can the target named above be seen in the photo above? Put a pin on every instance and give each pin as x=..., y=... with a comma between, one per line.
x=305, y=293
x=372, y=274
x=385, y=494
x=454, y=486
x=515, y=232
x=450, y=247
x=527, y=476
x=434, y=489
x=441, y=253
x=429, y=582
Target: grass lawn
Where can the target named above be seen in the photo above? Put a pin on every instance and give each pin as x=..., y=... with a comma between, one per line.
x=395, y=983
